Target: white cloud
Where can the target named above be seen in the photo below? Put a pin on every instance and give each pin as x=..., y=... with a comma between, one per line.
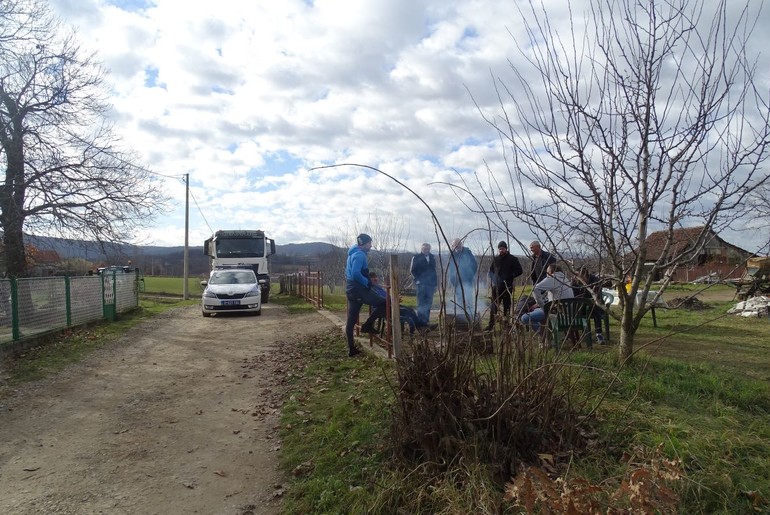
x=225, y=90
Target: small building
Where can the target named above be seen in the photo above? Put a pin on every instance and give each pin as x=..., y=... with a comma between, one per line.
x=718, y=258
x=44, y=263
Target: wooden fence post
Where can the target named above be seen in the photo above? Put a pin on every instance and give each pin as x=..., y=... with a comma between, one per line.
x=395, y=306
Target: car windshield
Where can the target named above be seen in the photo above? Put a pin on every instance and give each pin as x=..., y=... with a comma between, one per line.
x=233, y=277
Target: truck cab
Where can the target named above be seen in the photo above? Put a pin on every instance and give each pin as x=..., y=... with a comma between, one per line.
x=243, y=248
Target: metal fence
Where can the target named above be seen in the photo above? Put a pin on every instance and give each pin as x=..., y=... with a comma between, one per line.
x=37, y=305
x=308, y=285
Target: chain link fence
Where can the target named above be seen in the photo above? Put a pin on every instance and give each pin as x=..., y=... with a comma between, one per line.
x=33, y=306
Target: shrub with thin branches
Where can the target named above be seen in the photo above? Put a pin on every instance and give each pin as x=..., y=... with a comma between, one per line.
x=503, y=410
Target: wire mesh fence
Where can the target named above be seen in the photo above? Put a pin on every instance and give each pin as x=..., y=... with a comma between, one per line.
x=86, y=299
x=33, y=306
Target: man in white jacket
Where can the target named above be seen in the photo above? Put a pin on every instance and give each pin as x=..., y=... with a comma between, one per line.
x=555, y=286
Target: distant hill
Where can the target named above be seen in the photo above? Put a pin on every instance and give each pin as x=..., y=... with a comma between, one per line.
x=317, y=248
x=160, y=260
x=68, y=248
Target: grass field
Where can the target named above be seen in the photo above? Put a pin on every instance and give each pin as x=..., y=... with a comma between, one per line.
x=162, y=285
x=697, y=394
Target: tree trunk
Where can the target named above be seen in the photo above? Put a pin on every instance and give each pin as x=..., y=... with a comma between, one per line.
x=12, y=194
x=15, y=259
x=627, y=331
x=13, y=191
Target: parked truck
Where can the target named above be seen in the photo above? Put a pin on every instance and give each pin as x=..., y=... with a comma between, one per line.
x=243, y=248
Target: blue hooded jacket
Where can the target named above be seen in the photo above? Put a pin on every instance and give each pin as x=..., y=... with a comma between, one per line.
x=357, y=267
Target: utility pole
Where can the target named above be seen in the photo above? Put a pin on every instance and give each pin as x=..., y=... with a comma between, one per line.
x=185, y=287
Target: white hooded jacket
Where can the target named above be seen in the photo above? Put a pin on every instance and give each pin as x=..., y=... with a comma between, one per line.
x=555, y=287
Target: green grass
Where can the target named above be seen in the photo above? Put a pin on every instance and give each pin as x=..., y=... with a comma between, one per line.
x=334, y=429
x=171, y=285
x=715, y=421
x=733, y=344
x=335, y=301
x=294, y=305
x=699, y=389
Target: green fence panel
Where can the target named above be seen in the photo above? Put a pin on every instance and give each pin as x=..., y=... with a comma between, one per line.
x=36, y=305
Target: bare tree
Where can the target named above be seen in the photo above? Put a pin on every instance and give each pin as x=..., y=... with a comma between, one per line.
x=759, y=215
x=64, y=172
x=389, y=235
x=644, y=116
x=332, y=263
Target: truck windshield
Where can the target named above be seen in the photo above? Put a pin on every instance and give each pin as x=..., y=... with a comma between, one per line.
x=241, y=247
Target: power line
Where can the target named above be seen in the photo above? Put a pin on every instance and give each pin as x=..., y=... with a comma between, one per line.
x=201, y=212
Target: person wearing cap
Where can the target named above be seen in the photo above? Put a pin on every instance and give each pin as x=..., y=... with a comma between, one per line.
x=540, y=261
x=461, y=275
x=504, y=269
x=358, y=292
x=423, y=270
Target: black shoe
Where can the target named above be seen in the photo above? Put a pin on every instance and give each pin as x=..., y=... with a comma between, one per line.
x=367, y=329
x=432, y=327
x=354, y=352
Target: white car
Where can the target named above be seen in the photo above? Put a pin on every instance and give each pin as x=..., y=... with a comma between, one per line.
x=231, y=291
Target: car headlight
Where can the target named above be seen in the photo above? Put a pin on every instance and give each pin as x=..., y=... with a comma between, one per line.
x=254, y=292
x=209, y=295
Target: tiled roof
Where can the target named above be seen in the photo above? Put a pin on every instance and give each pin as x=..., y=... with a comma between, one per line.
x=682, y=240
x=47, y=257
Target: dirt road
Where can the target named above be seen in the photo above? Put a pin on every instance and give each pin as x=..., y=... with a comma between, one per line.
x=178, y=416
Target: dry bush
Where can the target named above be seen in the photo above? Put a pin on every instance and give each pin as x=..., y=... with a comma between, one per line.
x=454, y=404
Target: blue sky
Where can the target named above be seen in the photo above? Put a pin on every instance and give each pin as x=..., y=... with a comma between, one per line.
x=248, y=95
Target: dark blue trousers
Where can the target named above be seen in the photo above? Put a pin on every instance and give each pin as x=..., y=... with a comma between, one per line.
x=357, y=296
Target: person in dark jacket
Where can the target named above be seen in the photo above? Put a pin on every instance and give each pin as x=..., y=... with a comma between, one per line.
x=588, y=286
x=358, y=292
x=504, y=269
x=540, y=261
x=405, y=313
x=423, y=270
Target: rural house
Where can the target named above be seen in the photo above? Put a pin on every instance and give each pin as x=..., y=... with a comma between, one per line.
x=717, y=256
x=44, y=263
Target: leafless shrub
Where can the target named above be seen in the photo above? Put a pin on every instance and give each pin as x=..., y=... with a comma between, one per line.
x=501, y=410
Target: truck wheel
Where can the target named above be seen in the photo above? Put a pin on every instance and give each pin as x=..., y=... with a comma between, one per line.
x=265, y=296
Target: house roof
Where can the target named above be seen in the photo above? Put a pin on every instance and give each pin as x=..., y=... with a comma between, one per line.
x=47, y=257
x=683, y=239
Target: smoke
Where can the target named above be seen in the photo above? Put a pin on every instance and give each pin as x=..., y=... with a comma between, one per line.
x=465, y=303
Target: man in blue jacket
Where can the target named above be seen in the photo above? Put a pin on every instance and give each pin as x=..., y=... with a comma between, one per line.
x=358, y=292
x=423, y=271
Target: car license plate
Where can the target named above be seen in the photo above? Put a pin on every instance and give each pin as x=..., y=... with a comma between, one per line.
x=231, y=302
